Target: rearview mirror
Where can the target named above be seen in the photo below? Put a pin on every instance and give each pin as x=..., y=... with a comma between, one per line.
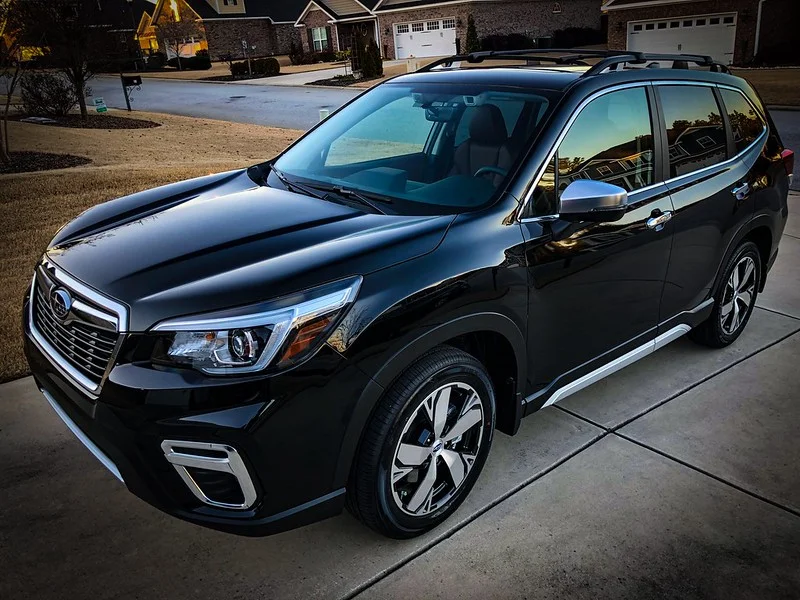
x=588, y=200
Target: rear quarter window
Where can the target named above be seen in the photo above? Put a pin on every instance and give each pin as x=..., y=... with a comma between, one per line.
x=746, y=123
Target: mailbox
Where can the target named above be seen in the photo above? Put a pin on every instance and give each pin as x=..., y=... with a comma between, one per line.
x=131, y=80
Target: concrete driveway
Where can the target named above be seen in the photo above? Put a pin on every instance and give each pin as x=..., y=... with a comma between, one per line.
x=677, y=477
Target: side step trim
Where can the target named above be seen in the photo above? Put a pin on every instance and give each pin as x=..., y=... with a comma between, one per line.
x=618, y=363
x=84, y=439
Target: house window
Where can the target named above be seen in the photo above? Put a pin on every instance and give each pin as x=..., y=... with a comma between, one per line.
x=650, y=26
x=701, y=22
x=662, y=25
x=637, y=27
x=402, y=28
x=714, y=21
x=449, y=24
x=418, y=27
x=687, y=23
x=674, y=24
x=319, y=37
x=727, y=20
x=433, y=25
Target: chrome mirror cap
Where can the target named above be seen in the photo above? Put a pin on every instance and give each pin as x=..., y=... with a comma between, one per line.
x=588, y=196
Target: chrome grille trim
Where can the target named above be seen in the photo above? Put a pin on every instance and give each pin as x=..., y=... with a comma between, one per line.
x=83, y=348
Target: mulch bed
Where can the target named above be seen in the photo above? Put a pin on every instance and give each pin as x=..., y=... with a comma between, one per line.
x=100, y=121
x=229, y=78
x=26, y=162
x=340, y=81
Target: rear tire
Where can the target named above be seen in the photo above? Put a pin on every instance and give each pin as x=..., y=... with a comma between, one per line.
x=735, y=299
x=425, y=445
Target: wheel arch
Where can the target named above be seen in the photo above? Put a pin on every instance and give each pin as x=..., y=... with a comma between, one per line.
x=470, y=333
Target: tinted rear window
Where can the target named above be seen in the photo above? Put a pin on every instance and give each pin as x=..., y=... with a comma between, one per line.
x=695, y=132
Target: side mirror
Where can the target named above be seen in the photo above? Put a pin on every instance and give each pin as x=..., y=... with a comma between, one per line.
x=588, y=200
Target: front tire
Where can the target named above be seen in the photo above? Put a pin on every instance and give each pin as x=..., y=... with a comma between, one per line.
x=735, y=299
x=425, y=445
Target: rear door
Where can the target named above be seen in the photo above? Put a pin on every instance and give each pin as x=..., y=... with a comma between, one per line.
x=706, y=181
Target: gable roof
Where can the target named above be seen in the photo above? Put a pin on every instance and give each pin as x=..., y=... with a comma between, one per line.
x=621, y=4
x=277, y=11
x=120, y=16
x=338, y=9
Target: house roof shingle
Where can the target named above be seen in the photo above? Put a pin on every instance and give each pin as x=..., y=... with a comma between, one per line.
x=280, y=11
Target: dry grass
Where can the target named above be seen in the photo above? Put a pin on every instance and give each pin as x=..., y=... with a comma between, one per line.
x=219, y=69
x=34, y=205
x=776, y=86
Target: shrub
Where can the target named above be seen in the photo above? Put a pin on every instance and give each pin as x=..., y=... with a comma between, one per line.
x=200, y=62
x=342, y=55
x=47, y=95
x=156, y=61
x=262, y=67
x=371, y=63
x=473, y=44
x=577, y=36
x=512, y=41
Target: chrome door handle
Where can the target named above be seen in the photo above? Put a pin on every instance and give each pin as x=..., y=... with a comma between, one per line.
x=657, y=221
x=741, y=192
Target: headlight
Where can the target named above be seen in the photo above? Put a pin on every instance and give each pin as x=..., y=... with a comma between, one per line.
x=249, y=339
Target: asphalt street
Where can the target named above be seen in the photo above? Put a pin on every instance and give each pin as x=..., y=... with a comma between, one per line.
x=277, y=106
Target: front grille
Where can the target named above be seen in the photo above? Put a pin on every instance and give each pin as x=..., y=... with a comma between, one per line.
x=84, y=341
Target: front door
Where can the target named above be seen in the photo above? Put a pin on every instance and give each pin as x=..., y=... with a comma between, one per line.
x=595, y=288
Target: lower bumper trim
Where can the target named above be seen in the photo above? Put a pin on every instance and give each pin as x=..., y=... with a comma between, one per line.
x=90, y=445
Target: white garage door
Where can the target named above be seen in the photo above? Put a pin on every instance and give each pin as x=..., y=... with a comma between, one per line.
x=425, y=38
x=711, y=35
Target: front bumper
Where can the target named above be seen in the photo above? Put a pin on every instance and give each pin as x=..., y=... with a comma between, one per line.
x=288, y=430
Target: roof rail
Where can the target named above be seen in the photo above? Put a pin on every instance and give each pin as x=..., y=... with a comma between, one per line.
x=609, y=59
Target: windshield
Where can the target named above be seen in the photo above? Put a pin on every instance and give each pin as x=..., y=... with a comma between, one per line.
x=422, y=148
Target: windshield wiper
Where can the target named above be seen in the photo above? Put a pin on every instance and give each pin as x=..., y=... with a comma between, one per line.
x=315, y=189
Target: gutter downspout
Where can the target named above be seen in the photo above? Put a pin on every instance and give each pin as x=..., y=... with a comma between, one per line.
x=758, y=28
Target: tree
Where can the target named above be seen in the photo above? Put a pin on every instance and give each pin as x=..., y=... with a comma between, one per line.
x=175, y=30
x=473, y=43
x=10, y=68
x=69, y=31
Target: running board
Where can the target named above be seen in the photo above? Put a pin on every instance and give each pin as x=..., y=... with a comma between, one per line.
x=621, y=362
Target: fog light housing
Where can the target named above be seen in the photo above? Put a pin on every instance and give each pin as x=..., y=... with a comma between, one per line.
x=214, y=473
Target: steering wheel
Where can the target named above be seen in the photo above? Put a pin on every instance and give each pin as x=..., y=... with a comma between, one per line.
x=495, y=170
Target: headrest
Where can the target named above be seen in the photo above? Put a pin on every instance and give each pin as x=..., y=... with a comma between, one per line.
x=488, y=127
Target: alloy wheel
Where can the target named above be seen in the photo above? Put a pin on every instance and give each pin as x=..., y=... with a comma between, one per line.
x=437, y=449
x=738, y=295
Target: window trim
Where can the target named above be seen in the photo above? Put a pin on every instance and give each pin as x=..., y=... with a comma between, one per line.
x=761, y=117
x=655, y=112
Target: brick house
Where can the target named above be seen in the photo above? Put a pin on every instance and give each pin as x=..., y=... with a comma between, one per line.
x=420, y=28
x=731, y=31
x=224, y=26
x=330, y=25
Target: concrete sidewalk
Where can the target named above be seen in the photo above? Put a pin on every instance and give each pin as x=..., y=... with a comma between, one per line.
x=677, y=477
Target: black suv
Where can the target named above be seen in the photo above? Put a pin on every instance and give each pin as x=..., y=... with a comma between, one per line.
x=455, y=249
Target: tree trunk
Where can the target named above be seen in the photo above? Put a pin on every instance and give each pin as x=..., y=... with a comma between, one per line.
x=81, y=89
x=4, y=156
x=178, y=55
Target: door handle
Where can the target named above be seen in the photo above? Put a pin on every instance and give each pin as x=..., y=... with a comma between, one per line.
x=741, y=192
x=658, y=221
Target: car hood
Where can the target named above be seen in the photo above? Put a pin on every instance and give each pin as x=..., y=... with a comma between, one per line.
x=222, y=241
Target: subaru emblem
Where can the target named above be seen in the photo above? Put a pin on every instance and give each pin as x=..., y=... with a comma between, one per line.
x=60, y=303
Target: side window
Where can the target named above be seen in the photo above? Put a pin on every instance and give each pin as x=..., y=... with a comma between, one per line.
x=396, y=129
x=611, y=141
x=746, y=124
x=695, y=132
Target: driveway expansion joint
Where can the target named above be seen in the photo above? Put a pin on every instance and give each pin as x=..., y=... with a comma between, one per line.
x=468, y=520
x=688, y=465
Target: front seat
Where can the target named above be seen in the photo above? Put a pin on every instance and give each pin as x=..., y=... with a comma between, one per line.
x=487, y=145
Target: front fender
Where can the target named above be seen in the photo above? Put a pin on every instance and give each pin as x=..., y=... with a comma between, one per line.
x=406, y=352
